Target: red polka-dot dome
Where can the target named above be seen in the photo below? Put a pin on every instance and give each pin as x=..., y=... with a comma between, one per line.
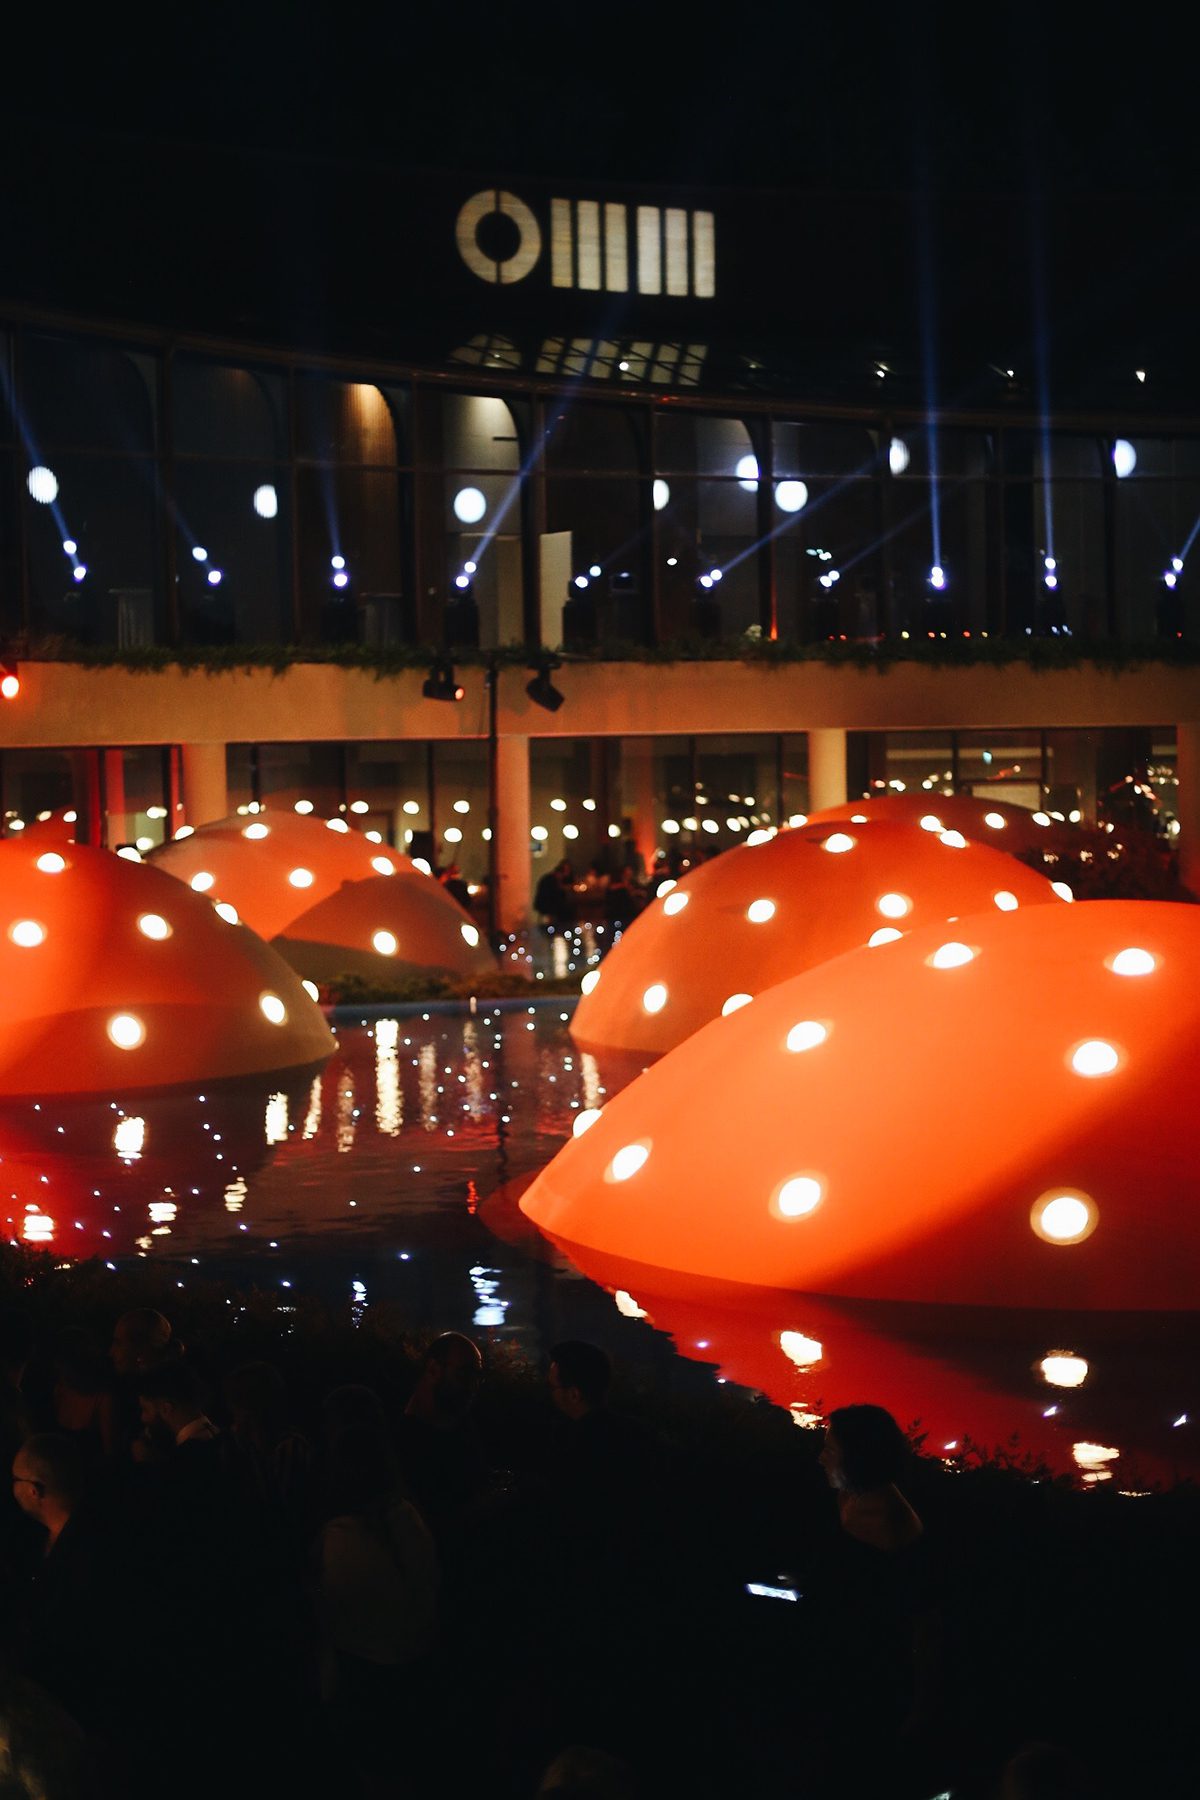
x=993, y=1112
x=764, y=912
x=115, y=977
x=385, y=928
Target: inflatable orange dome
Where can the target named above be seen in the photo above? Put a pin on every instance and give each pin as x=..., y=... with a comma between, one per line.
x=995, y=822
x=115, y=977
x=756, y=915
x=994, y=1112
x=274, y=866
x=393, y=926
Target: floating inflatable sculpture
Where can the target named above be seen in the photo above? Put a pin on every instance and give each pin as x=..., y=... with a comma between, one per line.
x=384, y=928
x=996, y=1112
x=115, y=977
x=738, y=925
x=995, y=822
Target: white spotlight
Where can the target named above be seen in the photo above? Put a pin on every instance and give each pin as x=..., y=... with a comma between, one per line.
x=747, y=473
x=43, y=485
x=662, y=495
x=1124, y=458
x=791, y=496
x=266, y=501
x=469, y=505
x=898, y=456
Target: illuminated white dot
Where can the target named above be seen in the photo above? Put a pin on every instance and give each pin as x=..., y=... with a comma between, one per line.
x=470, y=935
x=469, y=505
x=224, y=911
x=670, y=826
x=185, y=831
x=130, y=853
x=735, y=1003
x=759, y=837
x=1133, y=962
x=1062, y=890
x=798, y=1196
x=1041, y=818
x=655, y=997
x=153, y=925
x=1064, y=1369
x=675, y=903
x=52, y=863
x=839, y=843
x=1095, y=1057
x=571, y=831
x=662, y=495
x=453, y=835
x=385, y=942
x=411, y=807
x=805, y=1352
x=954, y=840
x=893, y=906
x=202, y=880
x=383, y=865
x=1005, y=901
x=858, y=818
x=304, y=806
x=43, y=485
x=628, y=1160
x=558, y=805
x=931, y=822
x=266, y=501
x=126, y=1031
x=585, y=1120
x=360, y=806
x=539, y=832
x=1064, y=1218
x=419, y=863
x=311, y=989
x=898, y=456
x=589, y=981
x=272, y=1008
x=807, y=1035
x=759, y=911
x=887, y=934
x=995, y=820
x=1124, y=458
x=257, y=830
x=301, y=878
x=27, y=934
x=336, y=825
x=795, y=820
x=951, y=956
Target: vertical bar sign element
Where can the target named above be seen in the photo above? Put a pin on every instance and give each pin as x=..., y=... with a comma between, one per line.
x=677, y=250
x=616, y=254
x=562, y=245
x=587, y=216
x=704, y=255
x=649, y=231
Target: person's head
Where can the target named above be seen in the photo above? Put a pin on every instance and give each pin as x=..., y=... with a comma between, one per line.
x=864, y=1449
x=362, y=1470
x=48, y=1478
x=256, y=1395
x=1045, y=1772
x=580, y=1377
x=16, y=1341
x=451, y=1374
x=170, y=1396
x=141, y=1340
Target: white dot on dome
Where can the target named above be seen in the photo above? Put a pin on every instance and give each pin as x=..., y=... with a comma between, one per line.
x=336, y=825
x=470, y=935
x=126, y=1031
x=585, y=1120
x=1005, y=901
x=301, y=878
x=887, y=934
x=589, y=981
x=421, y=865
x=153, y=925
x=272, y=1008
x=257, y=830
x=1041, y=818
x=27, y=934
x=951, y=956
x=1062, y=890
x=202, y=880
x=735, y=1003
x=859, y=819
x=129, y=853
x=185, y=831
x=954, y=840
x=383, y=865
x=839, y=843
x=51, y=863
x=311, y=989
x=224, y=911
x=798, y=1196
x=385, y=942
x=996, y=820
x=1064, y=1218
x=655, y=997
x=1062, y=1368
x=893, y=906
x=931, y=822
x=1133, y=962
x=628, y=1160
x=807, y=1035
x=759, y=911
x=304, y=807
x=675, y=903
x=1095, y=1057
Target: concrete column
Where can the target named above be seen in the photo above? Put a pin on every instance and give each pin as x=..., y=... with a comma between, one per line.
x=1187, y=802
x=514, y=863
x=826, y=768
x=637, y=795
x=116, y=821
x=205, y=788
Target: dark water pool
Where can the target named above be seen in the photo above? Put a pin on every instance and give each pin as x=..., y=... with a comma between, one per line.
x=393, y=1173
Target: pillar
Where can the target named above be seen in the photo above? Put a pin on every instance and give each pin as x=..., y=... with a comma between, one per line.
x=513, y=863
x=205, y=787
x=826, y=768
x=116, y=820
x=638, y=802
x=1187, y=803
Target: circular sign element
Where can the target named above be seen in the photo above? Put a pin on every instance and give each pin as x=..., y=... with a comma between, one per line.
x=483, y=207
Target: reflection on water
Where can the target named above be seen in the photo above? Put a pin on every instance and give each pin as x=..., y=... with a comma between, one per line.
x=393, y=1171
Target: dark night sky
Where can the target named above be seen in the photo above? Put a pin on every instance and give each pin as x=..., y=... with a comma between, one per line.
x=789, y=95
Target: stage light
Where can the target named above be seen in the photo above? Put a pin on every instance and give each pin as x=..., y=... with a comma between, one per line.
x=1177, y=564
x=1170, y=578
x=200, y=553
x=266, y=501
x=581, y=581
x=791, y=496
x=898, y=456
x=706, y=581
x=441, y=684
x=341, y=579
x=1140, y=374
x=10, y=679
x=80, y=571
x=715, y=574
x=70, y=546
x=937, y=577
x=460, y=581
x=1124, y=458
x=541, y=689
x=43, y=485
x=337, y=562
x=662, y=495
x=214, y=578
x=469, y=505
x=595, y=571
x=470, y=568
x=747, y=473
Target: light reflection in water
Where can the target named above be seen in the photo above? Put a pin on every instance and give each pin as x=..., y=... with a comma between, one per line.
x=312, y=1119
x=389, y=1098
x=129, y=1138
x=427, y=1067
x=275, y=1125
x=38, y=1227
x=235, y=1195
x=346, y=1120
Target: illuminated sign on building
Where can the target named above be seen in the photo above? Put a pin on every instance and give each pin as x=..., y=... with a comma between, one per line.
x=594, y=246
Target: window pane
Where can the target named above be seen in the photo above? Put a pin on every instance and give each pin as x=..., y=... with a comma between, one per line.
x=233, y=553
x=103, y=590
x=85, y=396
